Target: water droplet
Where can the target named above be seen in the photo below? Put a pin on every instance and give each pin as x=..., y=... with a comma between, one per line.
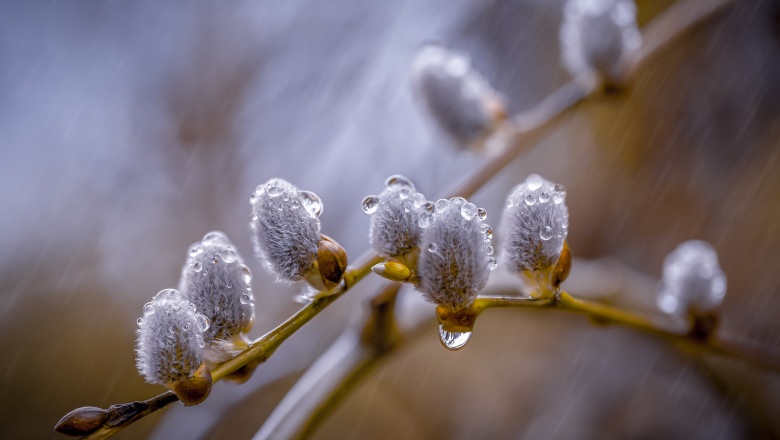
x=544, y=197
x=202, y=322
x=197, y=267
x=487, y=231
x=295, y=204
x=398, y=180
x=559, y=194
x=229, y=256
x=453, y=340
x=419, y=200
x=489, y=250
x=545, y=233
x=311, y=203
x=193, y=251
x=245, y=299
x=148, y=308
x=192, y=307
x=215, y=237
x=370, y=204
x=139, y=321
x=229, y=285
x=530, y=199
x=509, y=203
x=286, y=197
x=187, y=327
x=252, y=198
x=274, y=188
x=468, y=211
x=201, y=343
x=404, y=193
x=533, y=182
x=482, y=214
x=429, y=207
x=457, y=200
x=492, y=264
x=252, y=302
x=441, y=205
x=253, y=217
x=260, y=189
x=432, y=247
x=425, y=219
x=247, y=274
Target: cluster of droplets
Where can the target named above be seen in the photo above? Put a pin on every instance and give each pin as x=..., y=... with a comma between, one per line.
x=534, y=227
x=217, y=281
x=693, y=281
x=598, y=37
x=170, y=338
x=461, y=101
x=285, y=228
x=398, y=214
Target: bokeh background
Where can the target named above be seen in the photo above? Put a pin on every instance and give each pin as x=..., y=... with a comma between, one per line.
x=130, y=129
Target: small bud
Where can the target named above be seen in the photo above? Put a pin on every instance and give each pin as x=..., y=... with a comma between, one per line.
x=215, y=279
x=285, y=228
x=693, y=282
x=562, y=267
x=398, y=216
x=196, y=389
x=461, y=101
x=82, y=421
x=330, y=266
x=170, y=342
x=598, y=38
x=534, y=227
x=455, y=258
x=393, y=271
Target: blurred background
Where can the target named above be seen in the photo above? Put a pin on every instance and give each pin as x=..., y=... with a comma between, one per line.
x=130, y=129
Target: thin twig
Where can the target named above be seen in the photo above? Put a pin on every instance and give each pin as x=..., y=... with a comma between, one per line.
x=605, y=314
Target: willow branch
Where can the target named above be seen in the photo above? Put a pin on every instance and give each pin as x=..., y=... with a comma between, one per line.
x=605, y=314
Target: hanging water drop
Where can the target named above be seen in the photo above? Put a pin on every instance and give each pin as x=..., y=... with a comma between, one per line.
x=215, y=237
x=468, y=211
x=197, y=267
x=311, y=203
x=530, y=199
x=247, y=274
x=545, y=233
x=404, y=193
x=148, y=309
x=492, y=264
x=482, y=214
x=432, y=247
x=245, y=298
x=419, y=200
x=139, y=321
x=260, y=189
x=489, y=250
x=544, y=197
x=441, y=205
x=453, y=340
x=509, y=203
x=370, y=204
x=457, y=200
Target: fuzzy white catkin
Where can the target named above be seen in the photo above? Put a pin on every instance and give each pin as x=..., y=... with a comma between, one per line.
x=215, y=279
x=534, y=225
x=455, y=94
x=598, y=37
x=285, y=228
x=692, y=279
x=395, y=216
x=170, y=343
x=455, y=262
